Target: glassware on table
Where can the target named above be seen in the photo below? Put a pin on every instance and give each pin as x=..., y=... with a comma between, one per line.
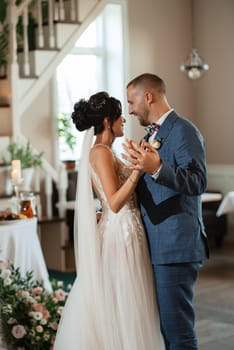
x=27, y=204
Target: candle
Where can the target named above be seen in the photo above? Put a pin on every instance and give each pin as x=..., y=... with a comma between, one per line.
x=16, y=170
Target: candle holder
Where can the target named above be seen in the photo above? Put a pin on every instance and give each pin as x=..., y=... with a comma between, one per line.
x=16, y=183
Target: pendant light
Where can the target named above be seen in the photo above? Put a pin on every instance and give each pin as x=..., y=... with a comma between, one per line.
x=194, y=65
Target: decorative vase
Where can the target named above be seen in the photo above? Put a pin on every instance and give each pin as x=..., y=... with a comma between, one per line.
x=27, y=174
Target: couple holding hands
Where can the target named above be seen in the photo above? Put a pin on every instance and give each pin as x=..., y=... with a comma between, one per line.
x=136, y=268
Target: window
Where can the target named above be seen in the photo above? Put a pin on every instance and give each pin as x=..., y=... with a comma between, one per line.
x=91, y=67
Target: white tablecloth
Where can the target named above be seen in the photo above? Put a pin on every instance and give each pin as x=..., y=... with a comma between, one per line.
x=20, y=244
x=211, y=197
x=227, y=204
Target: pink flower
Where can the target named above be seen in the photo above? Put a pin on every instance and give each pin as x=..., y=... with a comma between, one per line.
x=37, y=290
x=4, y=265
x=60, y=294
x=18, y=331
x=42, y=309
x=46, y=314
x=53, y=325
x=38, y=307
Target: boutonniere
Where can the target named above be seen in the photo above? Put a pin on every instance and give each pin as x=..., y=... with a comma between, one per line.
x=156, y=143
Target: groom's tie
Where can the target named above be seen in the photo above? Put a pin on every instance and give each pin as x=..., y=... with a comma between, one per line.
x=152, y=128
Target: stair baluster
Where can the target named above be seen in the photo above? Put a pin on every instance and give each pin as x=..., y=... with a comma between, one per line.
x=26, y=49
x=40, y=34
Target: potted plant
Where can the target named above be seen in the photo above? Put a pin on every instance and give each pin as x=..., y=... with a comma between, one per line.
x=25, y=153
x=28, y=157
x=66, y=136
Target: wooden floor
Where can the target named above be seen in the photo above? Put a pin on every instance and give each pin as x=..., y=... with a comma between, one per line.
x=214, y=300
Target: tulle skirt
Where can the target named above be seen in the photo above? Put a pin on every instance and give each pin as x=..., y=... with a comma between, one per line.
x=120, y=312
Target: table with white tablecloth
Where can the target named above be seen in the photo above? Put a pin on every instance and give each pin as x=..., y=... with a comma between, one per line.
x=227, y=204
x=19, y=243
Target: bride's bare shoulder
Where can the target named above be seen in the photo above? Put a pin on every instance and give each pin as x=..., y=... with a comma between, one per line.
x=100, y=148
x=101, y=153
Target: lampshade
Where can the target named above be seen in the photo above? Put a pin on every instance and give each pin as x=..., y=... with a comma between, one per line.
x=194, y=66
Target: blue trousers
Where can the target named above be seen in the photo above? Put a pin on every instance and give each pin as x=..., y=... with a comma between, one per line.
x=175, y=291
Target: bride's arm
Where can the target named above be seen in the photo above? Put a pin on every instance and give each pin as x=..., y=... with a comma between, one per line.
x=103, y=163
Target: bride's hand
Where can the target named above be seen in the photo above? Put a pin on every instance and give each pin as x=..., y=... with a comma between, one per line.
x=143, y=157
x=147, y=147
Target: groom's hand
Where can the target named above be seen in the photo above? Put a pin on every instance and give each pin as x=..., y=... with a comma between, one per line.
x=142, y=157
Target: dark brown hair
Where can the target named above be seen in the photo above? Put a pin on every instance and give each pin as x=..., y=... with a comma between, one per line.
x=92, y=112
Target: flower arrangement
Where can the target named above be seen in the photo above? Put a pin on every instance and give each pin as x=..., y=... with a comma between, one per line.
x=29, y=314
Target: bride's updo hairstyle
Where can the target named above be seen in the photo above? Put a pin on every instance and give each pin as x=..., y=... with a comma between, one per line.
x=92, y=112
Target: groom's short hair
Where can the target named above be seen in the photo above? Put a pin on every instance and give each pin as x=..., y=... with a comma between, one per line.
x=149, y=81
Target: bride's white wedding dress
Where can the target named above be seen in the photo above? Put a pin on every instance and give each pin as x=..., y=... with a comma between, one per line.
x=127, y=315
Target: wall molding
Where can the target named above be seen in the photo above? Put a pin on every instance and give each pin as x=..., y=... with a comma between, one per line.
x=221, y=177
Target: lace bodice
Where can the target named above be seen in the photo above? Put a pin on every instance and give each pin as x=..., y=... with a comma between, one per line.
x=123, y=173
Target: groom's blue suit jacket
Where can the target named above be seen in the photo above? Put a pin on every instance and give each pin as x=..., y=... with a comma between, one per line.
x=171, y=203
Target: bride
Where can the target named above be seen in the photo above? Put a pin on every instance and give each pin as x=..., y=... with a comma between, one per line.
x=112, y=303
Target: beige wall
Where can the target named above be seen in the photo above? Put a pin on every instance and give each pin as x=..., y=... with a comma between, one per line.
x=215, y=94
x=160, y=38
x=38, y=123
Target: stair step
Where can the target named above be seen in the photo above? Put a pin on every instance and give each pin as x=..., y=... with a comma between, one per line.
x=68, y=246
x=50, y=220
x=38, y=61
x=4, y=105
x=31, y=76
x=5, y=120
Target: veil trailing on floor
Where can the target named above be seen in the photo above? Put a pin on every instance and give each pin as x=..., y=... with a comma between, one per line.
x=82, y=318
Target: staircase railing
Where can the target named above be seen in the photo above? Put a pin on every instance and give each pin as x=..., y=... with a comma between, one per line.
x=53, y=11
x=45, y=14
x=42, y=12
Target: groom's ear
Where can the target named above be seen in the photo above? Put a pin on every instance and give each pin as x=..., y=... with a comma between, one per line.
x=148, y=97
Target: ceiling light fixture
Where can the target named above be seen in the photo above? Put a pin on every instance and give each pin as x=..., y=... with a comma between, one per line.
x=194, y=65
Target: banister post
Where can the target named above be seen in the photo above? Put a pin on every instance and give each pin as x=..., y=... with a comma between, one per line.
x=13, y=68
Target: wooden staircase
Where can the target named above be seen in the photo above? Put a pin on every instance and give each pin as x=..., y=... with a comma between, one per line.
x=57, y=25
x=28, y=70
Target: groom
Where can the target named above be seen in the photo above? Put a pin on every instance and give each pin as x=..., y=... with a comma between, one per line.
x=169, y=192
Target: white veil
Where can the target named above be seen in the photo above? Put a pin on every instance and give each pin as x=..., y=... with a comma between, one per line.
x=87, y=247
x=83, y=316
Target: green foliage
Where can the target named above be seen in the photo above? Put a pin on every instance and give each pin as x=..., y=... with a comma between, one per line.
x=65, y=130
x=28, y=158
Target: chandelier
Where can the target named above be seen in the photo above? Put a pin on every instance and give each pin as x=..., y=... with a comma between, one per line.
x=194, y=66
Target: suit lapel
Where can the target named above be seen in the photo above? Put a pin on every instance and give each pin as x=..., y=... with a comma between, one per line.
x=166, y=127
